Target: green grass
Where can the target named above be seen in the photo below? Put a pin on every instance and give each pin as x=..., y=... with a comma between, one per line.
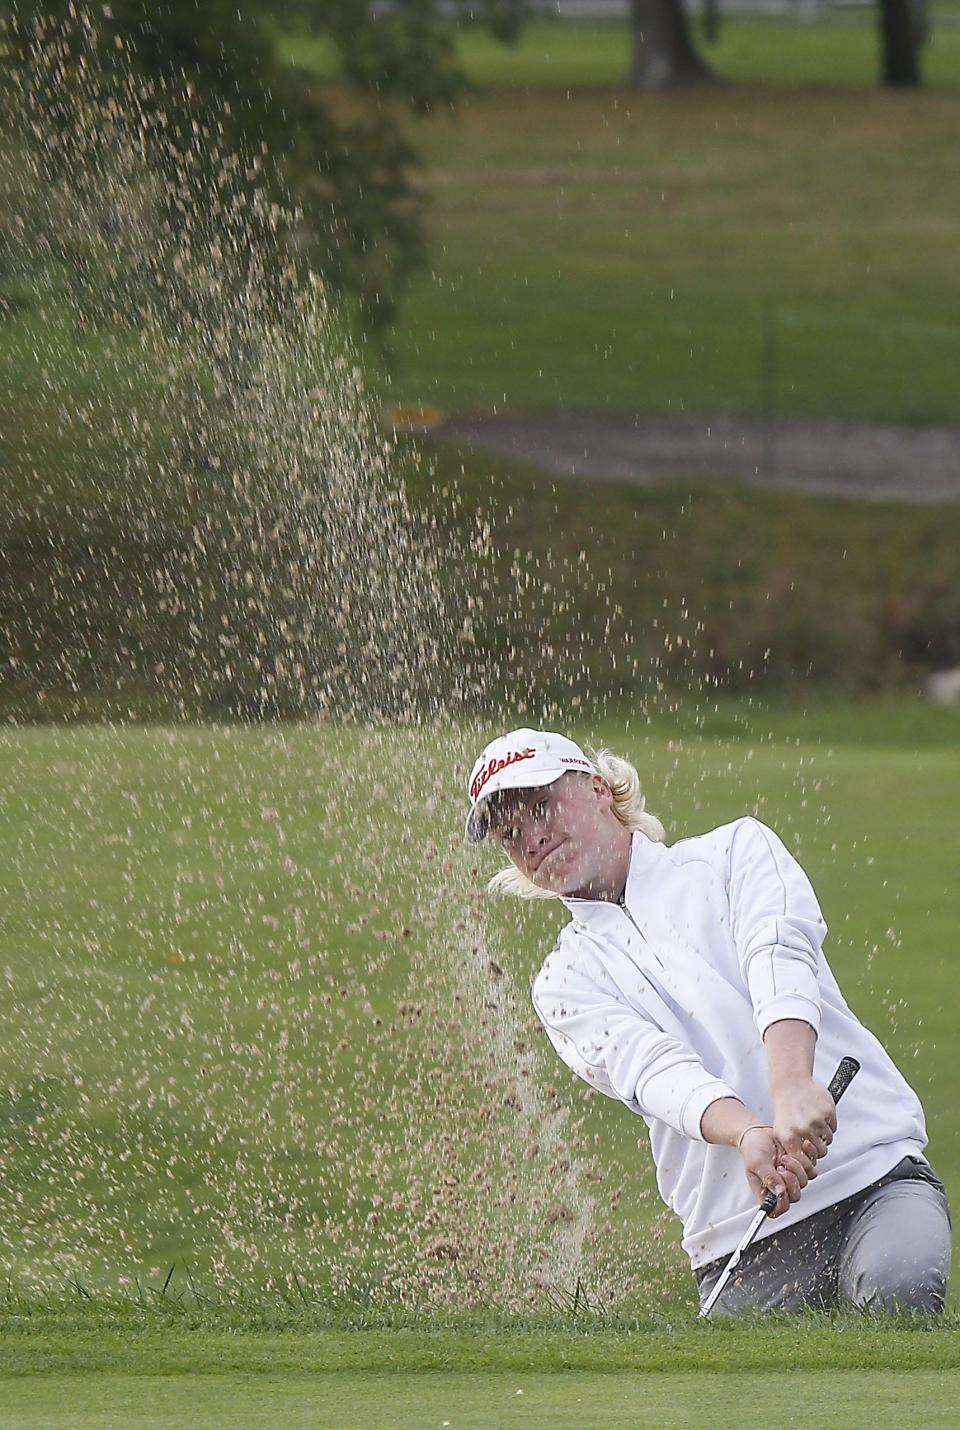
x=208, y=932
x=95, y=1366
x=603, y=250
x=163, y=1339
x=689, y=580
x=159, y=885
x=491, y=1401
x=918, y=1398
x=610, y=251
x=197, y=919
x=838, y=51
x=591, y=247
x=760, y=589
x=106, y=453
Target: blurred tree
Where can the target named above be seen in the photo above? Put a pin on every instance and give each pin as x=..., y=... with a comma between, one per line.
x=663, y=52
x=664, y=55
x=903, y=33
x=711, y=21
x=338, y=152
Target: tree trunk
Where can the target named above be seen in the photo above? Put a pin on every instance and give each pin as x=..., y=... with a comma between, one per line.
x=663, y=53
x=901, y=38
x=711, y=21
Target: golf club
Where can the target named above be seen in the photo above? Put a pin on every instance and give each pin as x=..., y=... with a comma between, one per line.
x=841, y=1080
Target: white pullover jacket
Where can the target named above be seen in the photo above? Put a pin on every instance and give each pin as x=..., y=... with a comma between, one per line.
x=662, y=1001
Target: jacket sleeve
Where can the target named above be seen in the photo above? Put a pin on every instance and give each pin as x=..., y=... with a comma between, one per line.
x=777, y=926
x=622, y=1053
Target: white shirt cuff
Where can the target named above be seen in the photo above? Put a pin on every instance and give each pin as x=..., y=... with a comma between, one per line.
x=788, y=1005
x=697, y=1103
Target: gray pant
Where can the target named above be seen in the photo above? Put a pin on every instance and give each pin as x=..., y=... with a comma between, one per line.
x=885, y=1248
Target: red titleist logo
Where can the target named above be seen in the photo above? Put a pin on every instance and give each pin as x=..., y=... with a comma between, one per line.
x=495, y=766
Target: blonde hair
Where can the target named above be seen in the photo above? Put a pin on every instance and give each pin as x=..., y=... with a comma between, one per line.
x=628, y=806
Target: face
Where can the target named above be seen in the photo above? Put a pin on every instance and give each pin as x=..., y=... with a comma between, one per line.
x=558, y=835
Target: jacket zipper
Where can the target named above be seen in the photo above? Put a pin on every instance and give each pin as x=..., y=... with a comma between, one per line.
x=643, y=936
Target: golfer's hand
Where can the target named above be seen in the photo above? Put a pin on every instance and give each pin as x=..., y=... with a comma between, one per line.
x=769, y=1167
x=804, y=1118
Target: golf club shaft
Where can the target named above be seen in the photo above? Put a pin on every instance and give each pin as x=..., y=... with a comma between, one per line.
x=841, y=1080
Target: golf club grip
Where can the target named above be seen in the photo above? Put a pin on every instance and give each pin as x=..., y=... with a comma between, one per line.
x=841, y=1080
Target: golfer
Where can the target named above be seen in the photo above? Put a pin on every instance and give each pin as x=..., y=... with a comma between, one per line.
x=690, y=984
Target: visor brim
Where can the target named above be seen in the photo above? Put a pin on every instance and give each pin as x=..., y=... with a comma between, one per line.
x=477, y=824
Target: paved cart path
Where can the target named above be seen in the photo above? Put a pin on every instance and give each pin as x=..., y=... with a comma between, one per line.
x=911, y=464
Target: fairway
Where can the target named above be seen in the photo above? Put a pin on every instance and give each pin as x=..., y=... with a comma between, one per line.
x=215, y=951
x=783, y=241
x=283, y=1138
x=484, y=1402
x=595, y=249
x=93, y=1364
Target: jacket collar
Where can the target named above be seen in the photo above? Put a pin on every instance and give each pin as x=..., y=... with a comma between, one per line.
x=643, y=852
